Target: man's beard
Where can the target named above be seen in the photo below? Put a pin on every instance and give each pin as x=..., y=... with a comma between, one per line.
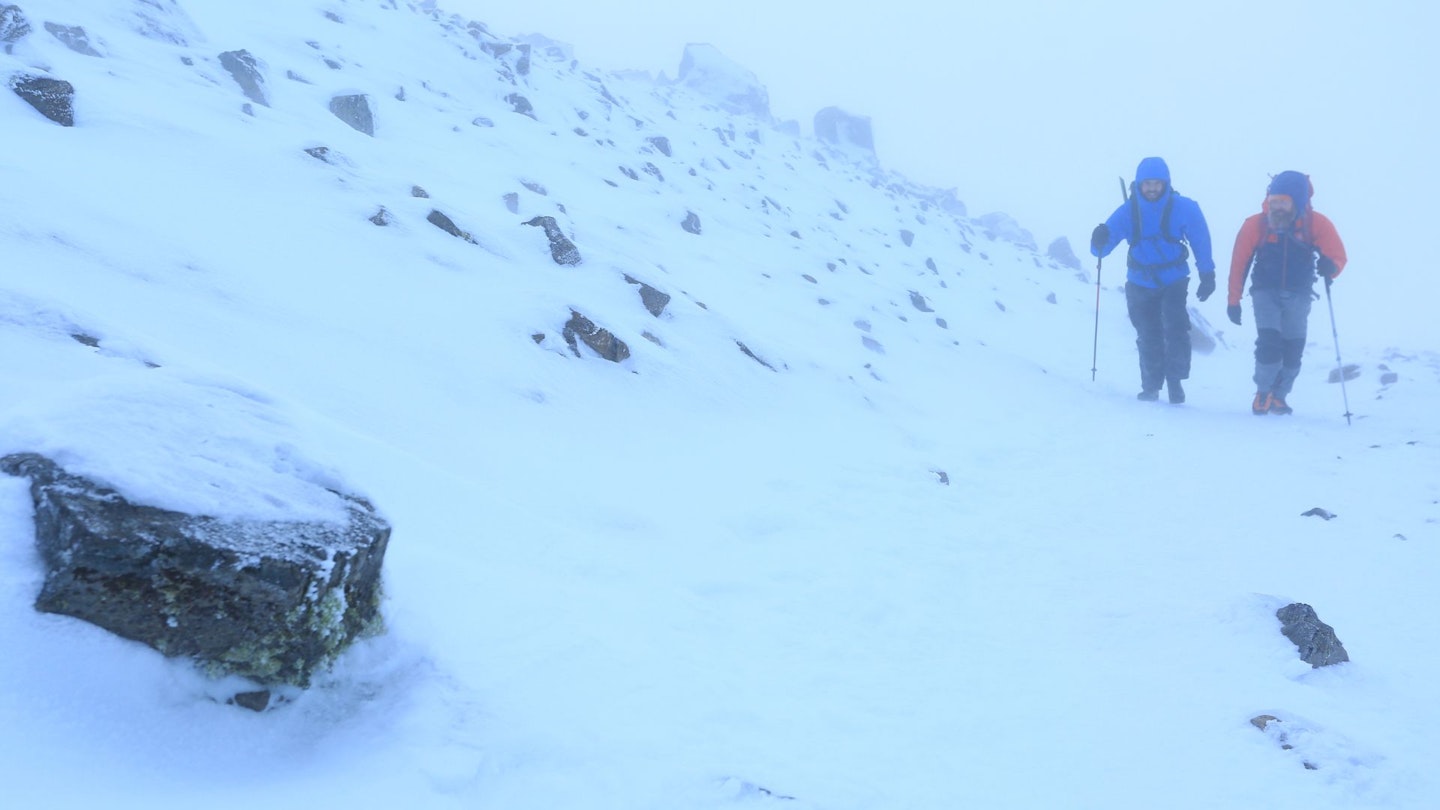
x=1280, y=219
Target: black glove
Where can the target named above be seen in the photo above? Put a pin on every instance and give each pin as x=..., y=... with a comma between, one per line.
x=1233, y=311
x=1207, y=286
x=1099, y=238
x=1326, y=268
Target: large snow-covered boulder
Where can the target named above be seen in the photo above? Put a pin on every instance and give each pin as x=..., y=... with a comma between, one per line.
x=709, y=73
x=270, y=600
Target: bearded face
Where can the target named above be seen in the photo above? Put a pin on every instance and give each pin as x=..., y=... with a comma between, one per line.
x=1152, y=189
x=1280, y=211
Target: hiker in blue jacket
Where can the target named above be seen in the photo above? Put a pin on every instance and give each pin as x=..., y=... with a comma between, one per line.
x=1162, y=227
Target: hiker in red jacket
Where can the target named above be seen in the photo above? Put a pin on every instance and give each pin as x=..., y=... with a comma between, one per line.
x=1278, y=248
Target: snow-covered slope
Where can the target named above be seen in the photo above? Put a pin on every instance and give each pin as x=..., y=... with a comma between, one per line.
x=851, y=526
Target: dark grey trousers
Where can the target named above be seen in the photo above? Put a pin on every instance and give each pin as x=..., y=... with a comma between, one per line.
x=1281, y=317
x=1162, y=331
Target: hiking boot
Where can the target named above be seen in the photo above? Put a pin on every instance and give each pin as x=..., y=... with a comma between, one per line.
x=1261, y=405
x=1148, y=396
x=1177, y=393
x=1278, y=406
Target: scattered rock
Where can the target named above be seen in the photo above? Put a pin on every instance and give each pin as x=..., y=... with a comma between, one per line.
x=247, y=72
x=661, y=144
x=918, y=301
x=691, y=223
x=1320, y=513
x=582, y=329
x=446, y=224
x=654, y=300
x=1316, y=640
x=355, y=111
x=1347, y=372
x=1276, y=730
x=562, y=250
x=521, y=105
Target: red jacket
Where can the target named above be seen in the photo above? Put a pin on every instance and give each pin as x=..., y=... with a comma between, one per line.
x=1282, y=260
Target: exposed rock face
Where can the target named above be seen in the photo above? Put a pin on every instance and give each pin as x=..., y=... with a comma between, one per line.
x=245, y=69
x=53, y=98
x=709, y=73
x=1317, y=641
x=74, y=38
x=355, y=111
x=841, y=129
x=602, y=341
x=562, y=250
x=269, y=600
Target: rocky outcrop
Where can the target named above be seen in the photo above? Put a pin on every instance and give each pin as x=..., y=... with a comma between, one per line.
x=53, y=98
x=709, y=73
x=245, y=69
x=845, y=131
x=1061, y=253
x=1316, y=640
x=1004, y=227
x=272, y=601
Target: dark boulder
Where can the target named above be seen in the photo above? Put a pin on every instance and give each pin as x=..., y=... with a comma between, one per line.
x=272, y=601
x=53, y=98
x=1316, y=640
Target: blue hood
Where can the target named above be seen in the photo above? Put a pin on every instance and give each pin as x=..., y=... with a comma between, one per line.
x=1152, y=168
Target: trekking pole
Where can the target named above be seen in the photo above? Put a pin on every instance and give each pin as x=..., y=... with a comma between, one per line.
x=1095, y=348
x=1339, y=365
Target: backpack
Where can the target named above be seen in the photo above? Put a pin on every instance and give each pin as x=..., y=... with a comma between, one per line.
x=1134, y=200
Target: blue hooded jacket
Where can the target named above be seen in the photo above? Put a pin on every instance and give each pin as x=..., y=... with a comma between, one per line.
x=1159, y=259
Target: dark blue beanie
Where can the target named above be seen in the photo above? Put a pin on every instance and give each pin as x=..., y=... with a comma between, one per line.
x=1292, y=184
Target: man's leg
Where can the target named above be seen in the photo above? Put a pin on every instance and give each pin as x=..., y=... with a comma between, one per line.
x=1294, y=318
x=1269, y=345
x=1175, y=325
x=1143, y=304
